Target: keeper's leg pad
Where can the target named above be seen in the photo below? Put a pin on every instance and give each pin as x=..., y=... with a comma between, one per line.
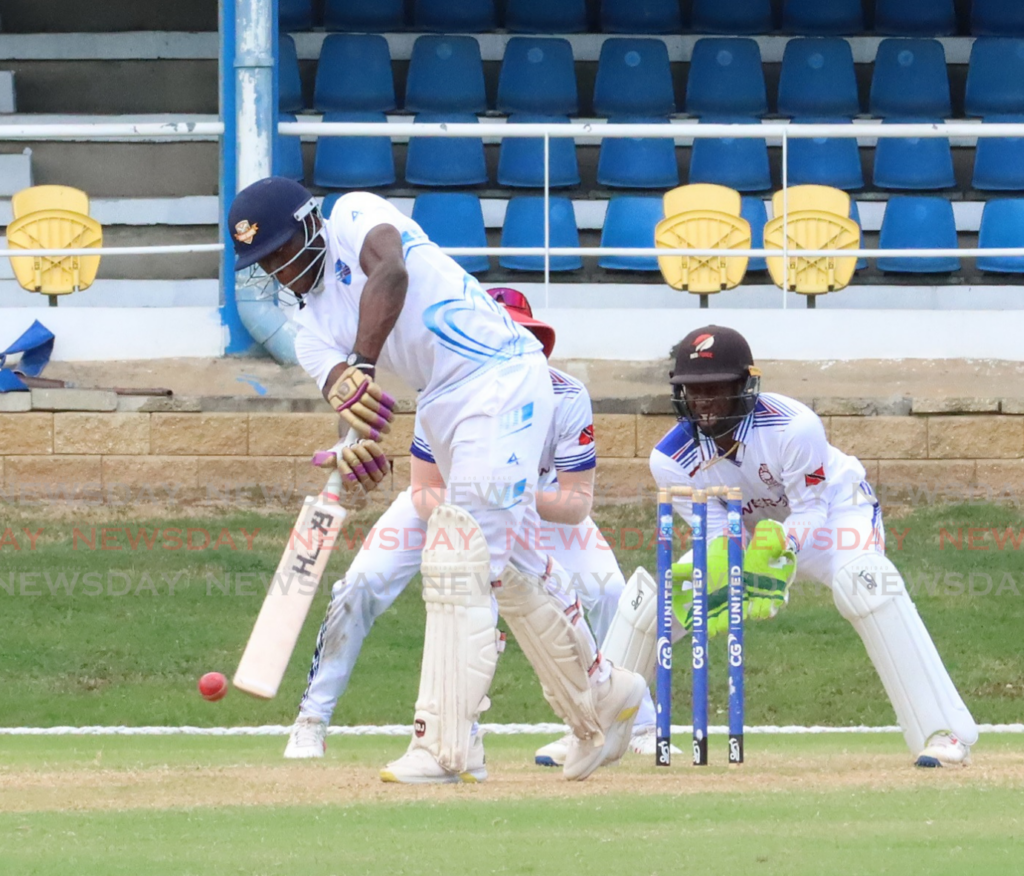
x=630, y=640
x=549, y=625
x=461, y=642
x=869, y=592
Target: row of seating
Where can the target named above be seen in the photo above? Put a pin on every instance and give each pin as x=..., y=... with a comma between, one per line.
x=900, y=164
x=455, y=219
x=899, y=17
x=634, y=78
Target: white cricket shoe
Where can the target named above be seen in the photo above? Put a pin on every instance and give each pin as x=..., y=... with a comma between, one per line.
x=618, y=701
x=944, y=749
x=419, y=767
x=553, y=754
x=308, y=738
x=645, y=741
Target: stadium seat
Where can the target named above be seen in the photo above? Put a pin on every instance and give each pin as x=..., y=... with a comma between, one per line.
x=999, y=161
x=740, y=164
x=521, y=159
x=726, y=78
x=638, y=162
x=353, y=162
x=921, y=18
x=354, y=74
x=739, y=16
x=1002, y=226
x=825, y=161
x=524, y=226
x=995, y=77
x=454, y=219
x=833, y=17
x=818, y=79
x=633, y=78
x=455, y=16
x=288, y=153
x=537, y=76
x=862, y=263
x=289, y=84
x=293, y=15
x=826, y=199
x=36, y=198
x=997, y=18
x=445, y=75
x=754, y=211
x=915, y=222
x=913, y=163
x=545, y=16
x=328, y=204
x=641, y=16
x=445, y=161
x=910, y=79
x=630, y=222
x=364, y=16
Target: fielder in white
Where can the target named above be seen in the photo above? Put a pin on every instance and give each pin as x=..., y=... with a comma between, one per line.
x=375, y=290
x=807, y=508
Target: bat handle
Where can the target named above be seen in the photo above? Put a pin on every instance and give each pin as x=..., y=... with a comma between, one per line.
x=332, y=490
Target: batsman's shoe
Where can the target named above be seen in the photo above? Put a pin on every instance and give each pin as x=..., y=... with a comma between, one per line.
x=944, y=749
x=553, y=754
x=419, y=767
x=645, y=741
x=308, y=738
x=617, y=701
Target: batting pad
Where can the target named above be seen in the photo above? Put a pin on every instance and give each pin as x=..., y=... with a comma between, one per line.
x=630, y=640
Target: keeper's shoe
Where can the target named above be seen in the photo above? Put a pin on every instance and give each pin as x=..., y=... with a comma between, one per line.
x=944, y=749
x=553, y=754
x=419, y=767
x=307, y=739
x=618, y=700
x=645, y=741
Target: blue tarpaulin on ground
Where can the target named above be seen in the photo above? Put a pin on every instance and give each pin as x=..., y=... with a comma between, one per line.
x=36, y=347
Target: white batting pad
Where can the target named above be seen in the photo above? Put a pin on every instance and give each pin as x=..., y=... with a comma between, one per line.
x=630, y=640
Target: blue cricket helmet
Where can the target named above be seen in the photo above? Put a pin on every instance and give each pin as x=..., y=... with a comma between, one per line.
x=266, y=215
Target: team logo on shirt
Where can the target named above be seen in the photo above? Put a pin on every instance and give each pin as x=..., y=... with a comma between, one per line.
x=766, y=476
x=587, y=435
x=244, y=232
x=815, y=477
x=702, y=345
x=343, y=272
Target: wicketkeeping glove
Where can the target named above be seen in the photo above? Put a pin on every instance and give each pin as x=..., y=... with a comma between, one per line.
x=362, y=404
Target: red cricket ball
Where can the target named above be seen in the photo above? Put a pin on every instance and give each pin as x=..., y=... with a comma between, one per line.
x=213, y=686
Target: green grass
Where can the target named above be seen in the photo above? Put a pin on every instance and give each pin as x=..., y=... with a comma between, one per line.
x=134, y=659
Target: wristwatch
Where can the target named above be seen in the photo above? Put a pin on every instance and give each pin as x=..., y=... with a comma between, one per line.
x=355, y=360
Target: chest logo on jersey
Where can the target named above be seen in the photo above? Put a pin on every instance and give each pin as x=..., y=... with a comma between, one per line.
x=244, y=232
x=767, y=478
x=815, y=477
x=343, y=272
x=587, y=435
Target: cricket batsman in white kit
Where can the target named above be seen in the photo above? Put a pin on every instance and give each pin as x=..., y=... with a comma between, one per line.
x=375, y=290
x=808, y=511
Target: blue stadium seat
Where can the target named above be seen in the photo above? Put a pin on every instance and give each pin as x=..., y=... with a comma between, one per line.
x=997, y=18
x=825, y=161
x=288, y=153
x=354, y=74
x=927, y=18
x=328, y=205
x=833, y=17
x=521, y=159
x=756, y=213
x=910, y=79
x=1002, y=226
x=629, y=222
x=289, y=85
x=455, y=16
x=726, y=78
x=538, y=76
x=862, y=263
x=353, y=162
x=641, y=16
x=454, y=219
x=914, y=222
x=739, y=16
x=633, y=78
x=293, y=15
x=364, y=16
x=999, y=161
x=995, y=77
x=913, y=163
x=546, y=16
x=818, y=79
x=445, y=75
x=638, y=162
x=740, y=164
x=445, y=161
x=524, y=226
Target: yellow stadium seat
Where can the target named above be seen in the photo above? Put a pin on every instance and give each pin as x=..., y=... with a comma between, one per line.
x=823, y=198
x=702, y=217
x=54, y=229
x=36, y=198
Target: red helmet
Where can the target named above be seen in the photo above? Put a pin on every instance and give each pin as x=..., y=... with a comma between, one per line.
x=518, y=307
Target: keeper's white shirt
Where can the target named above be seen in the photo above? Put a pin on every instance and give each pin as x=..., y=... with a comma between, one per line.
x=784, y=465
x=448, y=330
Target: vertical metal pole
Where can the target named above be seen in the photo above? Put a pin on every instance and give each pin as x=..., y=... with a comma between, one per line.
x=547, y=220
x=663, y=679
x=735, y=645
x=785, y=220
x=699, y=632
x=255, y=26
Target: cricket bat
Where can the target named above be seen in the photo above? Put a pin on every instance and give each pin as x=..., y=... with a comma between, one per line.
x=292, y=589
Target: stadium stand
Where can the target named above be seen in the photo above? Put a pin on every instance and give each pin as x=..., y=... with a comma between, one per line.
x=916, y=18
x=818, y=79
x=756, y=214
x=445, y=161
x=354, y=74
x=634, y=79
x=1002, y=225
x=543, y=16
x=914, y=221
x=289, y=81
x=7, y=101
x=454, y=219
x=353, y=162
x=638, y=162
x=524, y=226
x=910, y=79
x=815, y=17
x=914, y=163
x=999, y=161
x=737, y=17
x=738, y=163
x=521, y=159
x=630, y=222
x=640, y=16
x=364, y=16
x=288, y=154
x=726, y=78
x=825, y=161
x=537, y=76
x=997, y=18
x=446, y=75
x=455, y=16
x=295, y=15
x=995, y=77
